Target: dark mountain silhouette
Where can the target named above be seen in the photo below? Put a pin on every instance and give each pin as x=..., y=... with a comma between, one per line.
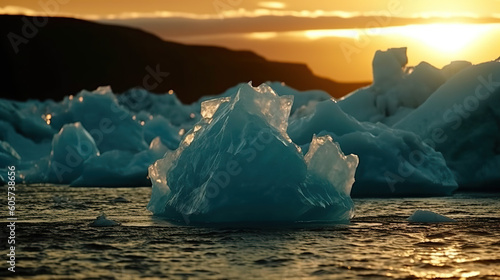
x=42, y=58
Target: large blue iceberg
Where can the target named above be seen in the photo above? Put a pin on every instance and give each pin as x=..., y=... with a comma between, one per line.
x=461, y=120
x=238, y=164
x=392, y=162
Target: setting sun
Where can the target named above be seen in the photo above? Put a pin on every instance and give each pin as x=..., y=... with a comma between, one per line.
x=445, y=37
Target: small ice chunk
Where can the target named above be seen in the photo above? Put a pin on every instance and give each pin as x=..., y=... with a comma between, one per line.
x=425, y=216
x=102, y=221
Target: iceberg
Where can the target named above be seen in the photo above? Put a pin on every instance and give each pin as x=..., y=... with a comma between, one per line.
x=159, y=126
x=392, y=162
x=71, y=147
x=120, y=168
x=104, y=119
x=22, y=116
x=238, y=164
x=8, y=155
x=139, y=100
x=28, y=149
x=418, y=131
x=426, y=216
x=301, y=99
x=461, y=120
x=396, y=90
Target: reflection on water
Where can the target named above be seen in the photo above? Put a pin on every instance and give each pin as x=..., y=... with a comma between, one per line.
x=55, y=241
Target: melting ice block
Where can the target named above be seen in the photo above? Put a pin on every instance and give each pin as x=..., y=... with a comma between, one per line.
x=425, y=216
x=238, y=164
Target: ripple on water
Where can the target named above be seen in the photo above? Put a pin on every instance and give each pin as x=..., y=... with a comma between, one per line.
x=56, y=243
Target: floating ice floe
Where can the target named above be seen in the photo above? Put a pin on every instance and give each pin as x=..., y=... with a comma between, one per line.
x=103, y=221
x=238, y=164
x=425, y=216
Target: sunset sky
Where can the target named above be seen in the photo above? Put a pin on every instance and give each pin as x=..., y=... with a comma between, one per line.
x=337, y=39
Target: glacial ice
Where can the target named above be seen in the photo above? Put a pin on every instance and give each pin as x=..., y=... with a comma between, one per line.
x=71, y=147
x=106, y=120
x=426, y=216
x=120, y=168
x=27, y=148
x=22, y=116
x=161, y=127
x=301, y=99
x=8, y=155
x=417, y=130
x=396, y=89
x=238, y=164
x=392, y=162
x=461, y=120
x=138, y=100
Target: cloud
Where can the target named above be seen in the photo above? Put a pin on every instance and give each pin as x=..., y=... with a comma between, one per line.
x=176, y=27
x=17, y=10
x=272, y=5
x=236, y=13
x=262, y=23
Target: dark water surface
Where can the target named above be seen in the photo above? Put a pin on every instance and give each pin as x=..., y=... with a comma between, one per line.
x=54, y=241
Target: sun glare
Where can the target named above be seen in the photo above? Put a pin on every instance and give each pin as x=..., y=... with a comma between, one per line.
x=442, y=37
x=343, y=33
x=450, y=37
